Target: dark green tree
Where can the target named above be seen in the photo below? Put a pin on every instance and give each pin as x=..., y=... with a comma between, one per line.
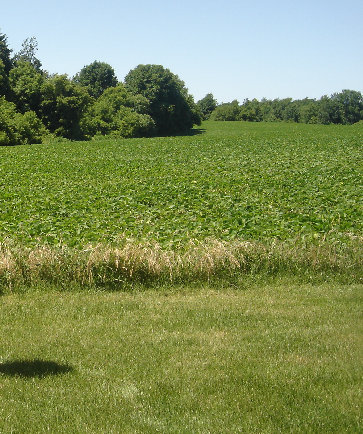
x=6, y=64
x=291, y=112
x=17, y=128
x=5, y=53
x=250, y=111
x=171, y=107
x=96, y=77
x=4, y=81
x=26, y=86
x=349, y=104
x=63, y=104
x=309, y=112
x=327, y=111
x=206, y=105
x=120, y=113
x=267, y=112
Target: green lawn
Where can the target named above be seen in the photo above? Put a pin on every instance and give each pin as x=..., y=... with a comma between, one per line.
x=277, y=358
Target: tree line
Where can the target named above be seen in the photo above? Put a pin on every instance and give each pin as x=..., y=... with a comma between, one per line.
x=35, y=104
x=151, y=101
x=345, y=107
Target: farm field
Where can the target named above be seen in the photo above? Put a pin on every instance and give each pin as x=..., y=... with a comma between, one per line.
x=268, y=358
x=236, y=180
x=291, y=185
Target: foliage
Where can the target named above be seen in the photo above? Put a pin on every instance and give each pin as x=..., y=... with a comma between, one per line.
x=171, y=107
x=119, y=112
x=132, y=124
x=18, y=129
x=249, y=111
x=26, y=86
x=345, y=107
x=226, y=112
x=96, y=77
x=310, y=114
x=350, y=105
x=4, y=82
x=62, y=106
x=6, y=64
x=206, y=105
x=152, y=101
x=27, y=53
x=5, y=54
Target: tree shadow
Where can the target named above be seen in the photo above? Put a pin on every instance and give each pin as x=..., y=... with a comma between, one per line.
x=196, y=131
x=33, y=368
x=192, y=132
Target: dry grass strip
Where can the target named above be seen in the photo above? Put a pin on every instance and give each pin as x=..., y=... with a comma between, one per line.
x=102, y=265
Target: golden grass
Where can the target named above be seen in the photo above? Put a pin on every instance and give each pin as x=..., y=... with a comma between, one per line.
x=103, y=265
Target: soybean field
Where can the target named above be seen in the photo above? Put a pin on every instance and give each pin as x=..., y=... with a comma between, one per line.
x=230, y=180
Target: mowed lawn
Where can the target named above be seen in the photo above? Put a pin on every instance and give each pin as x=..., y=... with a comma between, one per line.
x=270, y=358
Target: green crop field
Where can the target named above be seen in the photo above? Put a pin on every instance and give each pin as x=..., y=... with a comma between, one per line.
x=267, y=184
x=235, y=180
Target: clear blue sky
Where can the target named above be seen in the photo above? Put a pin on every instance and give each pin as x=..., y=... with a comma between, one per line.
x=234, y=49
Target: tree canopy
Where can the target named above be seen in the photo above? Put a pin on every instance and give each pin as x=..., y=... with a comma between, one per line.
x=207, y=105
x=6, y=64
x=345, y=107
x=26, y=83
x=63, y=104
x=171, y=107
x=5, y=54
x=17, y=128
x=27, y=53
x=96, y=77
x=119, y=113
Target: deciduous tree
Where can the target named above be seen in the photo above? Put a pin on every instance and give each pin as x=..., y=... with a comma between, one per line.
x=118, y=112
x=206, y=105
x=27, y=53
x=26, y=86
x=96, y=77
x=171, y=107
x=63, y=104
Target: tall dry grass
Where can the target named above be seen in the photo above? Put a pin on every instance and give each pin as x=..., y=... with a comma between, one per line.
x=114, y=267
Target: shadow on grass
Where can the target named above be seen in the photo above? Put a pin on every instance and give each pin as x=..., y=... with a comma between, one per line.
x=196, y=131
x=192, y=132
x=33, y=368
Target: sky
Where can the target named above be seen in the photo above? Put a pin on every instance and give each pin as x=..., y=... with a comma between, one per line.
x=233, y=49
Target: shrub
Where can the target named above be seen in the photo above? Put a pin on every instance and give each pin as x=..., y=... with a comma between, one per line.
x=119, y=113
x=18, y=129
x=226, y=112
x=132, y=124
